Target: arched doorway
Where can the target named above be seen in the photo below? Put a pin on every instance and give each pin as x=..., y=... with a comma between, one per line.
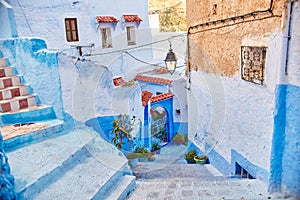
x=159, y=126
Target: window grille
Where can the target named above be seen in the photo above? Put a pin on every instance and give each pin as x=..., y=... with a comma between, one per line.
x=253, y=64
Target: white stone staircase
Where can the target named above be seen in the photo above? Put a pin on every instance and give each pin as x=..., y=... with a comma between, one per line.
x=170, y=177
x=78, y=164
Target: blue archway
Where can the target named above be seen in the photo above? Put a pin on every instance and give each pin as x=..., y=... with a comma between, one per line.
x=164, y=110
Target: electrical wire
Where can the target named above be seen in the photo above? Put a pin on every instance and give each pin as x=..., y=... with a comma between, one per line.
x=236, y=23
x=136, y=47
x=139, y=59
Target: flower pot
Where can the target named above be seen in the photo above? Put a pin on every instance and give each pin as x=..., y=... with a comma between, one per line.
x=178, y=142
x=190, y=162
x=143, y=159
x=200, y=159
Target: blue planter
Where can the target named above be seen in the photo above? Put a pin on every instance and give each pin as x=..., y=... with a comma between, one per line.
x=143, y=159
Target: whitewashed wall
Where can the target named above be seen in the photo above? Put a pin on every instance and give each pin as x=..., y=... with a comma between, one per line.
x=233, y=114
x=45, y=19
x=87, y=88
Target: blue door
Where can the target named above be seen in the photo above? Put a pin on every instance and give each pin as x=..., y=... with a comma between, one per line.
x=159, y=126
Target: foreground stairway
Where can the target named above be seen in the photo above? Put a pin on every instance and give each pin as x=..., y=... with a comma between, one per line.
x=77, y=164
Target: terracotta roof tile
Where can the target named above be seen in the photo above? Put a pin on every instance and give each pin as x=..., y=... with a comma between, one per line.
x=106, y=19
x=118, y=81
x=153, y=80
x=146, y=95
x=161, y=97
x=131, y=18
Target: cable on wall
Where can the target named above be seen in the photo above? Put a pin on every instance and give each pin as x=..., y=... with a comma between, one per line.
x=233, y=19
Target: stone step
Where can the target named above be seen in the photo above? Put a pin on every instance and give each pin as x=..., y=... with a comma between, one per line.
x=75, y=165
x=165, y=167
x=87, y=178
x=35, y=165
x=11, y=92
x=26, y=115
x=6, y=71
x=124, y=187
x=2, y=62
x=17, y=103
x=17, y=135
x=9, y=81
x=200, y=188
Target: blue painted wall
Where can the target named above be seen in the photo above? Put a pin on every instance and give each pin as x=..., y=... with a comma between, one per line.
x=7, y=181
x=181, y=127
x=285, y=157
x=103, y=125
x=7, y=21
x=38, y=67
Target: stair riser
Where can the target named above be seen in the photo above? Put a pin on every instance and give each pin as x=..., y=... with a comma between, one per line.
x=31, y=191
x=6, y=72
x=17, y=104
x=8, y=82
x=15, y=92
x=109, y=184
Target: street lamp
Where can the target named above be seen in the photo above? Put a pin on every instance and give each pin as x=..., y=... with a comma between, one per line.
x=171, y=60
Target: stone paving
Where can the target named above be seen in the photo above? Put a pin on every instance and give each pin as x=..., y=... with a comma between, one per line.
x=168, y=177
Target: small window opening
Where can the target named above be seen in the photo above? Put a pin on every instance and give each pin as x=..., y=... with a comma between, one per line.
x=106, y=37
x=131, y=40
x=241, y=172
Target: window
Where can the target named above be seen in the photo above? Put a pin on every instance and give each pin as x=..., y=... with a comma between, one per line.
x=71, y=29
x=130, y=35
x=106, y=37
x=241, y=172
x=253, y=64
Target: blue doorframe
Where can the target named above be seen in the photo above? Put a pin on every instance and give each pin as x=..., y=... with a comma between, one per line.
x=167, y=104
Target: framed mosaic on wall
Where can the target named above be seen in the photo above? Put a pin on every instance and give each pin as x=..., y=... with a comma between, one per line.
x=253, y=64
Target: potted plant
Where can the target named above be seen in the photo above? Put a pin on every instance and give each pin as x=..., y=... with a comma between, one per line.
x=189, y=157
x=178, y=138
x=155, y=148
x=200, y=159
x=142, y=154
x=121, y=132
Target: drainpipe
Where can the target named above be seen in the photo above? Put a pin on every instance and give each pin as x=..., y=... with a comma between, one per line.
x=188, y=59
x=288, y=35
x=279, y=135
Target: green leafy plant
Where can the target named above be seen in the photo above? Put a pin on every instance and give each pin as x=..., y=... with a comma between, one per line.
x=189, y=157
x=121, y=131
x=132, y=155
x=142, y=152
x=178, y=138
